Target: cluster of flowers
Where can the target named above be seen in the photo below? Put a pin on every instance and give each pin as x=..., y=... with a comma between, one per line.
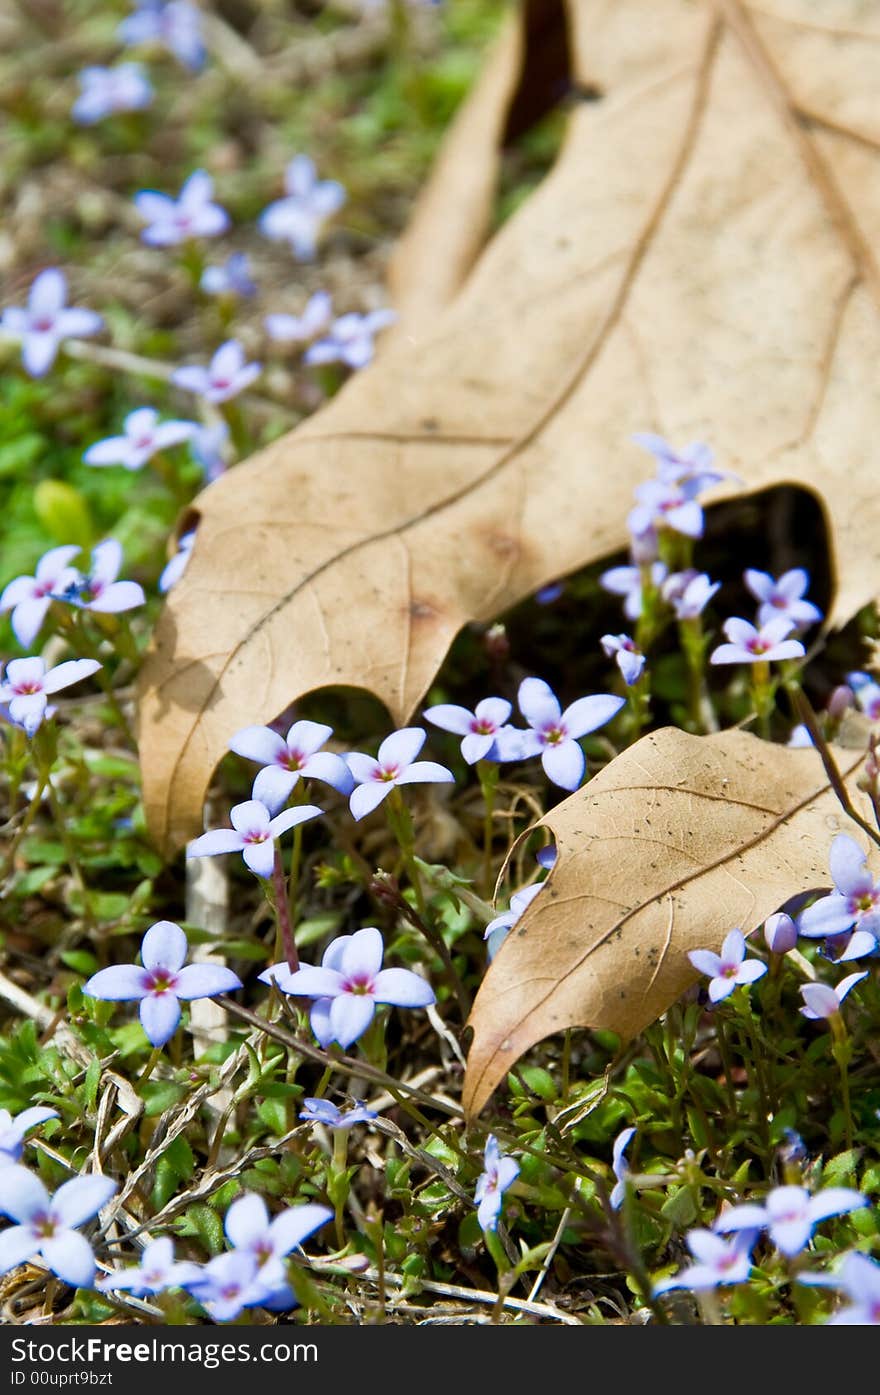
x=789, y=1215
x=670, y=504
x=250, y=1274
x=847, y=920
x=27, y=683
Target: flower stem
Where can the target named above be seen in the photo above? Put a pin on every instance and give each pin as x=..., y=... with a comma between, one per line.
x=284, y=941
x=29, y=816
x=488, y=774
x=763, y=694
x=842, y=1052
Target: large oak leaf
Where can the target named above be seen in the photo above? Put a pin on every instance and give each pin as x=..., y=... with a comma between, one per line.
x=674, y=843
x=698, y=262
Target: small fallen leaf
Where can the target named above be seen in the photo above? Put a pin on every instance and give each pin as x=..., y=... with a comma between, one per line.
x=699, y=262
x=675, y=842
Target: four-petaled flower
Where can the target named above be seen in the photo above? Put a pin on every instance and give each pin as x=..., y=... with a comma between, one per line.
x=354, y=985
x=554, y=733
x=144, y=435
x=301, y=329
x=29, y=597
x=157, y=1271
x=620, y=1167
x=821, y=1001
x=749, y=645
x=251, y=1231
x=253, y=834
x=692, y=463
x=176, y=566
x=729, y=968
x=99, y=590
x=782, y=597
x=854, y=905
x=13, y=1130
x=688, y=593
x=286, y=760
x=105, y=91
x=193, y=213
x=629, y=582
x=162, y=982
x=27, y=683
x=859, y=1278
x=225, y=377
x=790, y=1214
x=628, y=657
x=298, y=218
x=497, y=930
x=174, y=24
x=718, y=1261
x=665, y=504
x=500, y=1172
x=395, y=765
x=321, y=1111
x=47, y=321
x=45, y=1225
x=230, y=1282
x=232, y=277
x=478, y=728
x=350, y=339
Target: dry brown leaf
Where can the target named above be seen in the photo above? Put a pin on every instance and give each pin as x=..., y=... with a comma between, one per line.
x=698, y=262
x=674, y=843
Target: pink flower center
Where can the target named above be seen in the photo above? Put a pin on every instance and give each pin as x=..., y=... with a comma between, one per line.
x=45, y=1224
x=222, y=384
x=864, y=903
x=757, y=645
x=43, y=325
x=230, y=1290
x=291, y=760
x=482, y=726
x=728, y=1262
x=387, y=773
x=729, y=971
x=160, y=981
x=361, y=985
x=143, y=442
x=257, y=835
x=28, y=687
x=552, y=736
x=263, y=1251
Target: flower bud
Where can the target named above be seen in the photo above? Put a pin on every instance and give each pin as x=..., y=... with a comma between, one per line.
x=780, y=933
x=840, y=701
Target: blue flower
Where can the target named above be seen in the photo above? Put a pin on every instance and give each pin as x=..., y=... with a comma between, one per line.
x=321, y=1111
x=620, y=1166
x=790, y=1215
x=298, y=218
x=349, y=985
x=161, y=981
x=105, y=91
x=554, y=734
x=729, y=968
x=46, y=1226
x=499, y=1174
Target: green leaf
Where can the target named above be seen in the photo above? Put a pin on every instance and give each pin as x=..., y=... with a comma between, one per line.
x=80, y=960
x=208, y=1226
